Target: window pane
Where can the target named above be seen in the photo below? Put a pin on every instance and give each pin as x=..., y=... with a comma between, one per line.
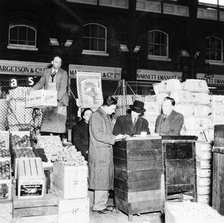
x=214, y=2
x=101, y=45
x=94, y=31
x=163, y=50
x=22, y=33
x=150, y=37
x=13, y=33
x=93, y=44
x=30, y=35
x=101, y=32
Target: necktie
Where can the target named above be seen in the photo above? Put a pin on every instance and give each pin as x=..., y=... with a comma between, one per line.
x=53, y=75
x=164, y=117
x=135, y=120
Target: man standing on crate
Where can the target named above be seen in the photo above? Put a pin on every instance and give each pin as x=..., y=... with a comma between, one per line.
x=169, y=122
x=54, y=79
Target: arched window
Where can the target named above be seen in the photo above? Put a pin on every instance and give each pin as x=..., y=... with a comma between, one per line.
x=214, y=49
x=94, y=38
x=22, y=33
x=157, y=44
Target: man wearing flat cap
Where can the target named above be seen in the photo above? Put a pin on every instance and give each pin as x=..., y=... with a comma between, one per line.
x=133, y=123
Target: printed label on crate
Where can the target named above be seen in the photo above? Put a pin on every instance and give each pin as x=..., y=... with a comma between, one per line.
x=31, y=190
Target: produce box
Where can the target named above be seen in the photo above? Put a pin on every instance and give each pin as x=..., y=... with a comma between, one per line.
x=20, y=139
x=31, y=179
x=51, y=145
x=70, y=181
x=41, y=98
x=190, y=212
x=196, y=85
x=5, y=190
x=21, y=152
x=76, y=210
x=4, y=140
x=5, y=168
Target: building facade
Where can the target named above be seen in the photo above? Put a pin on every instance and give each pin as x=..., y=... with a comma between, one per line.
x=136, y=40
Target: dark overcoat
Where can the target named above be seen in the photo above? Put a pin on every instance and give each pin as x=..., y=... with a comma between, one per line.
x=101, y=167
x=80, y=137
x=172, y=125
x=124, y=125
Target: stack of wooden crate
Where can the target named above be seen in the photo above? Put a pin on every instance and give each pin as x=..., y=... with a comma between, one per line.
x=5, y=167
x=138, y=176
x=70, y=184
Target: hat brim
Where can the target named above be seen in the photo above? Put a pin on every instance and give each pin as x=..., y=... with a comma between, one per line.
x=135, y=109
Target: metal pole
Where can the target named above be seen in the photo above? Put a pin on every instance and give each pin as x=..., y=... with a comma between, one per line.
x=124, y=101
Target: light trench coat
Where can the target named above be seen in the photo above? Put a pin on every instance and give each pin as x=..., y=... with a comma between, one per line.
x=101, y=166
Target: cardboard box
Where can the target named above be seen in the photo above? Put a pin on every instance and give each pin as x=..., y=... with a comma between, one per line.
x=76, y=210
x=185, y=212
x=41, y=98
x=31, y=179
x=70, y=181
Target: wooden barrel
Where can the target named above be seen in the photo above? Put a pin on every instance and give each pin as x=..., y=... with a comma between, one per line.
x=219, y=136
x=3, y=116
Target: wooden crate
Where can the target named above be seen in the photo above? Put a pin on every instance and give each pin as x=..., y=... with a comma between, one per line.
x=70, y=181
x=139, y=179
x=46, y=205
x=180, y=165
x=75, y=210
x=31, y=178
x=218, y=180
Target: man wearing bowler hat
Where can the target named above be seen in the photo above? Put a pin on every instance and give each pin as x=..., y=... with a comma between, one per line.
x=132, y=123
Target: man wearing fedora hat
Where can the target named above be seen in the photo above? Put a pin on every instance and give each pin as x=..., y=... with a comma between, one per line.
x=132, y=124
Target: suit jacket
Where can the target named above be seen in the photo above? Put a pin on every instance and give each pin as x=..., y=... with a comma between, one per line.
x=61, y=84
x=172, y=124
x=100, y=156
x=124, y=125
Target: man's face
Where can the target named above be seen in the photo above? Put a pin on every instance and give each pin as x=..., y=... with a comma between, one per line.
x=111, y=109
x=87, y=115
x=167, y=107
x=56, y=63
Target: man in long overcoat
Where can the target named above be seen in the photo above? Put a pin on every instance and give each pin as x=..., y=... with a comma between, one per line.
x=101, y=167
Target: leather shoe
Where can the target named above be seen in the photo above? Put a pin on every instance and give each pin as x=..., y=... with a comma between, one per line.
x=104, y=211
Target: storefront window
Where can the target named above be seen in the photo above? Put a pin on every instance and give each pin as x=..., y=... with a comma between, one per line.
x=94, y=38
x=22, y=34
x=214, y=48
x=212, y=2
x=157, y=44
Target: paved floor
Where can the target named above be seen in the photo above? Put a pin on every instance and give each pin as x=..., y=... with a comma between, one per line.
x=119, y=217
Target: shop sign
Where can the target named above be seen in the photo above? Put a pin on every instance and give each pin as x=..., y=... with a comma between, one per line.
x=157, y=75
x=22, y=67
x=216, y=79
x=108, y=73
